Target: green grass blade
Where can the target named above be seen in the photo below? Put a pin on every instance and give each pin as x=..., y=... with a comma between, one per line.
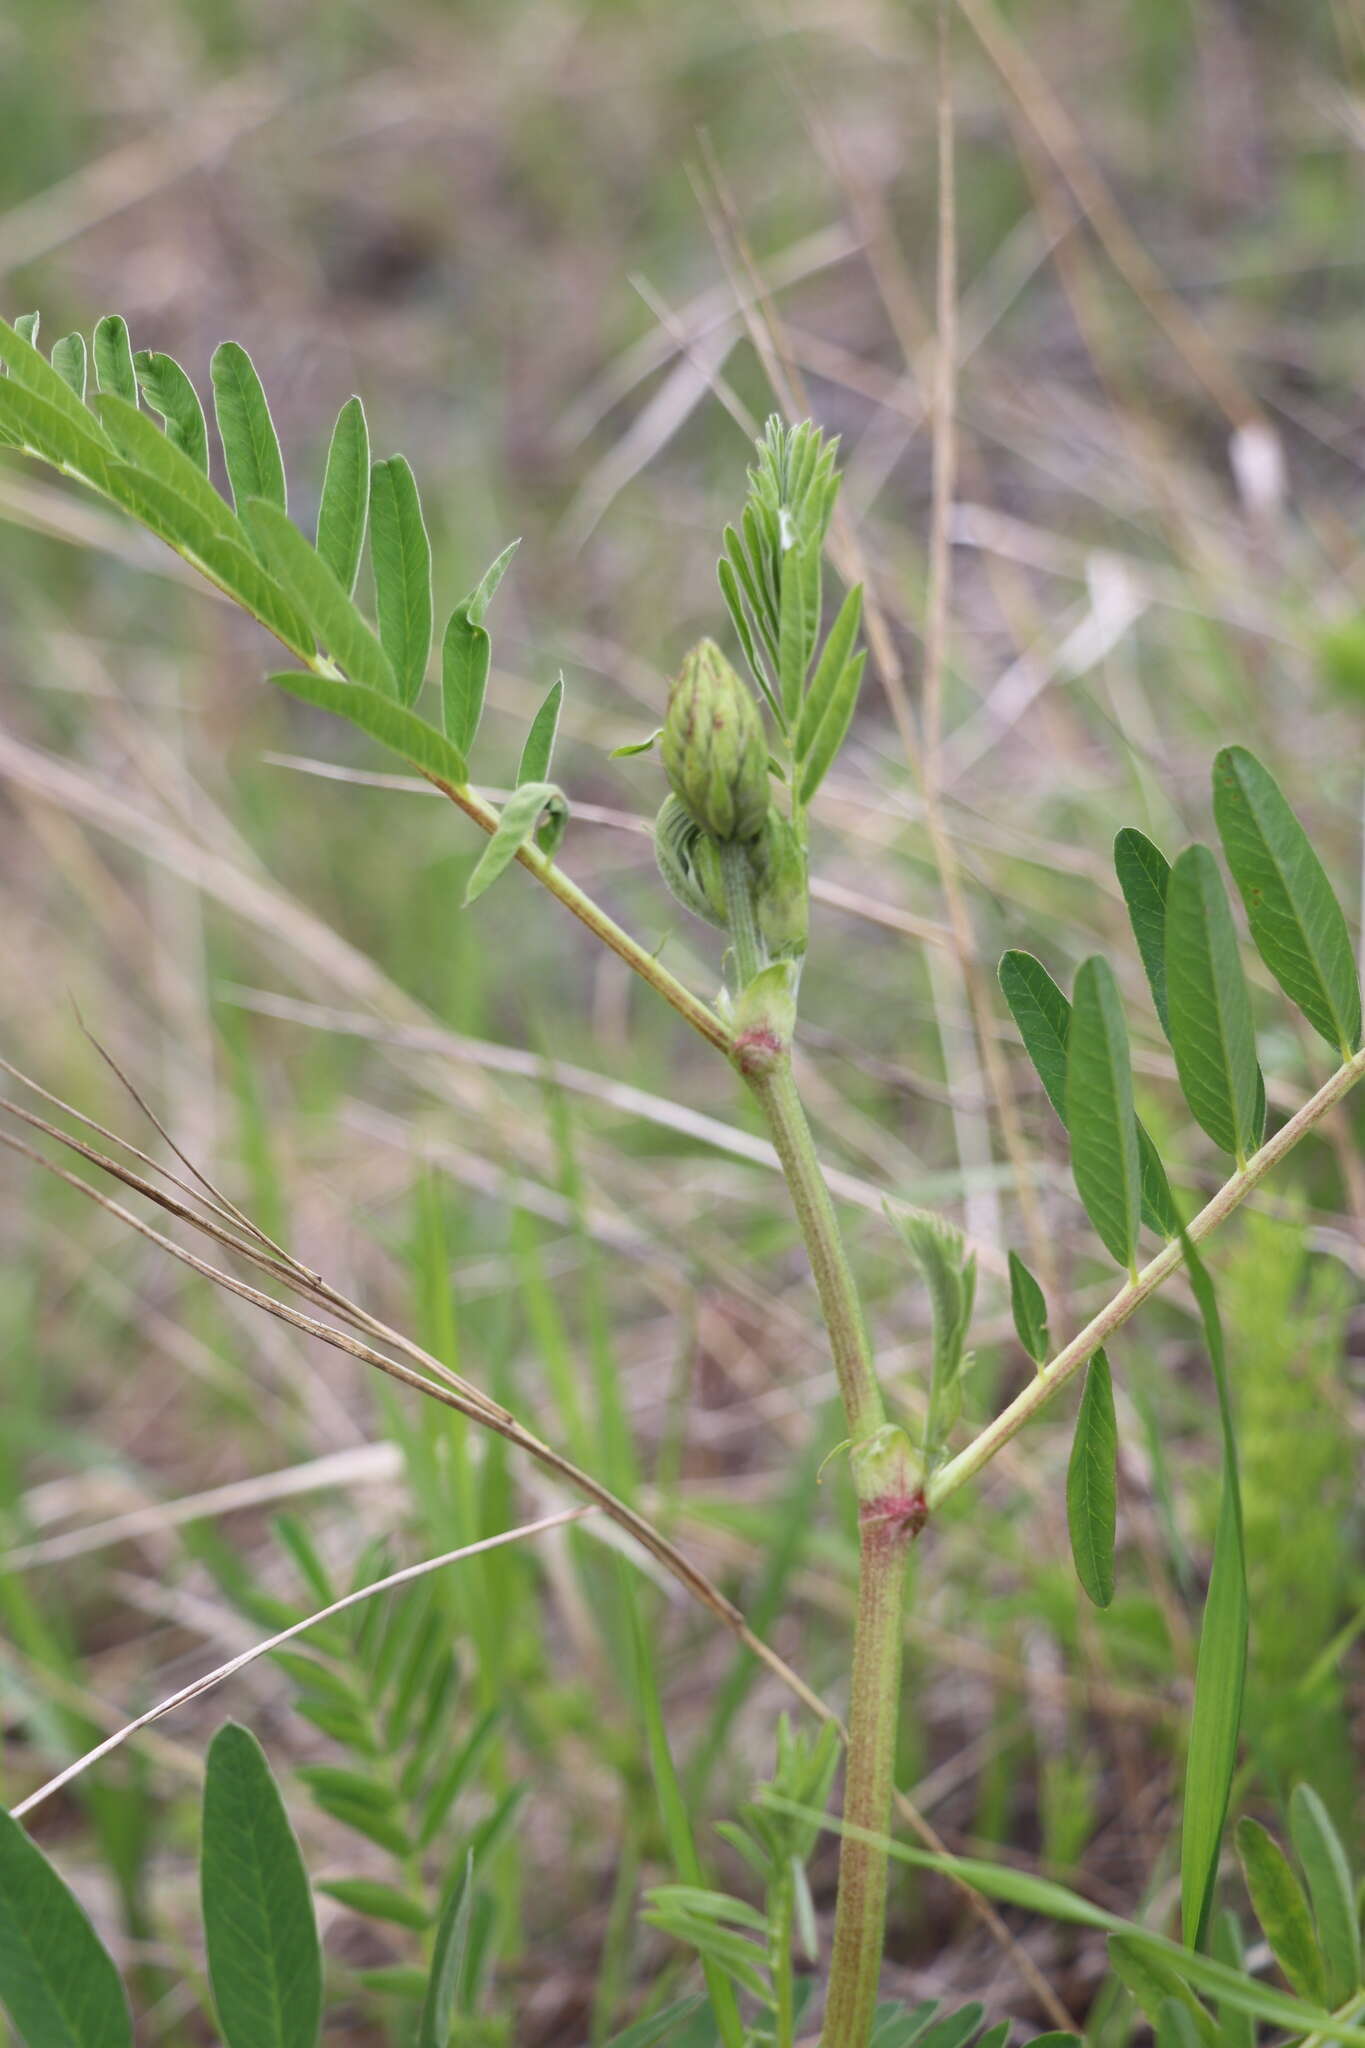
x=265, y=1963
x=169, y=392
x=114, y=369
x=1029, y=1309
x=391, y=724
x=1144, y=871
x=1091, y=1484
x=1320, y=1851
x=1279, y=1903
x=57, y=1981
x=1296, y=921
x=1211, y=1030
x=518, y=821
x=219, y=557
x=401, y=555
x=251, y=447
x=1100, y=1115
x=538, y=752
x=344, y=506
x=320, y=598
x=68, y=360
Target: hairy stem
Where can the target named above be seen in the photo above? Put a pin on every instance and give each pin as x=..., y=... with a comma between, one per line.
x=740, y=912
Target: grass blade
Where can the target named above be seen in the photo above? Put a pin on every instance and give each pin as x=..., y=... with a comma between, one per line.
x=1296, y=921
x=265, y=1963
x=57, y=1981
x=391, y=724
x=401, y=555
x=1320, y=1851
x=345, y=502
x=1282, y=1909
x=540, y=740
x=1211, y=1031
x=251, y=447
x=319, y=597
x=114, y=369
x=1144, y=871
x=169, y=392
x=1091, y=1484
x=1100, y=1115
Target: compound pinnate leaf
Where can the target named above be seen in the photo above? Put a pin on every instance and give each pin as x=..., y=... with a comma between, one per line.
x=392, y=724
x=345, y=502
x=1029, y=1309
x=319, y=597
x=265, y=1963
x=1320, y=1851
x=57, y=1982
x=520, y=815
x=1091, y=1484
x=538, y=751
x=1210, y=1027
x=251, y=447
x=169, y=392
x=1144, y=871
x=1296, y=921
x=114, y=369
x=1100, y=1115
x=401, y=556
x=69, y=361
x=1278, y=1900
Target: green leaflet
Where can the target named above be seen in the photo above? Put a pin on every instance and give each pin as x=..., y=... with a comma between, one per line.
x=146, y=448
x=68, y=360
x=27, y=367
x=391, y=724
x=319, y=597
x=251, y=447
x=1296, y=921
x=1151, y=1981
x=218, y=556
x=1330, y=1886
x=661, y=2028
x=440, y=2006
x=400, y=554
x=940, y=1251
x=1278, y=1900
x=1029, y=1309
x=26, y=326
x=30, y=420
x=1220, y=1673
x=484, y=591
x=1237, y=2029
x=1143, y=871
x=832, y=729
x=114, y=369
x=465, y=653
x=57, y=1982
x=1091, y=1484
x=540, y=740
x=1211, y=1030
x=829, y=671
x=378, y=1901
x=515, y=827
x=1100, y=1115
x=792, y=651
x=345, y=502
x=1042, y=1015
x=169, y=392
x=265, y=1964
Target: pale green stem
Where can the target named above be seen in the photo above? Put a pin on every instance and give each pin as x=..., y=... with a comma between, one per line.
x=740, y=912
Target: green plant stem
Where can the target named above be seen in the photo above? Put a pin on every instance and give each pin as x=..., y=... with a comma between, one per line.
x=1100, y=1328
x=740, y=912
x=874, y=1706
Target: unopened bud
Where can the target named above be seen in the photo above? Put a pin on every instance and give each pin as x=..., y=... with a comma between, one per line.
x=689, y=861
x=714, y=749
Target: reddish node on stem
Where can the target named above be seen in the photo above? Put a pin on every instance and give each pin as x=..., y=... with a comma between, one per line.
x=759, y=1051
x=897, y=1514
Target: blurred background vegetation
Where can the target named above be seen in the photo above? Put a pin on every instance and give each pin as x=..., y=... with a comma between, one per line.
x=566, y=251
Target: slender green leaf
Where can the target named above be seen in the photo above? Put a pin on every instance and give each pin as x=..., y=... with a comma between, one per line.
x=1236, y=2027
x=68, y=360
x=401, y=555
x=1100, y=1116
x=1176, y=2026
x=378, y=1901
x=536, y=755
x=1091, y=1484
x=1150, y=1980
x=465, y=652
x=29, y=368
x=832, y=729
x=345, y=503
x=1211, y=1030
x=57, y=1982
x=954, y=2030
x=1295, y=919
x=436, y=2026
x=518, y=821
x=829, y=670
x=114, y=358
x=651, y=2033
x=143, y=445
x=320, y=598
x=1320, y=1851
x=29, y=421
x=26, y=325
x=1029, y=1309
x=169, y=392
x=484, y=591
x=1143, y=871
x=220, y=558
x=251, y=447
x=265, y=1963
x=1279, y=1903
x=791, y=635
x=389, y=723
